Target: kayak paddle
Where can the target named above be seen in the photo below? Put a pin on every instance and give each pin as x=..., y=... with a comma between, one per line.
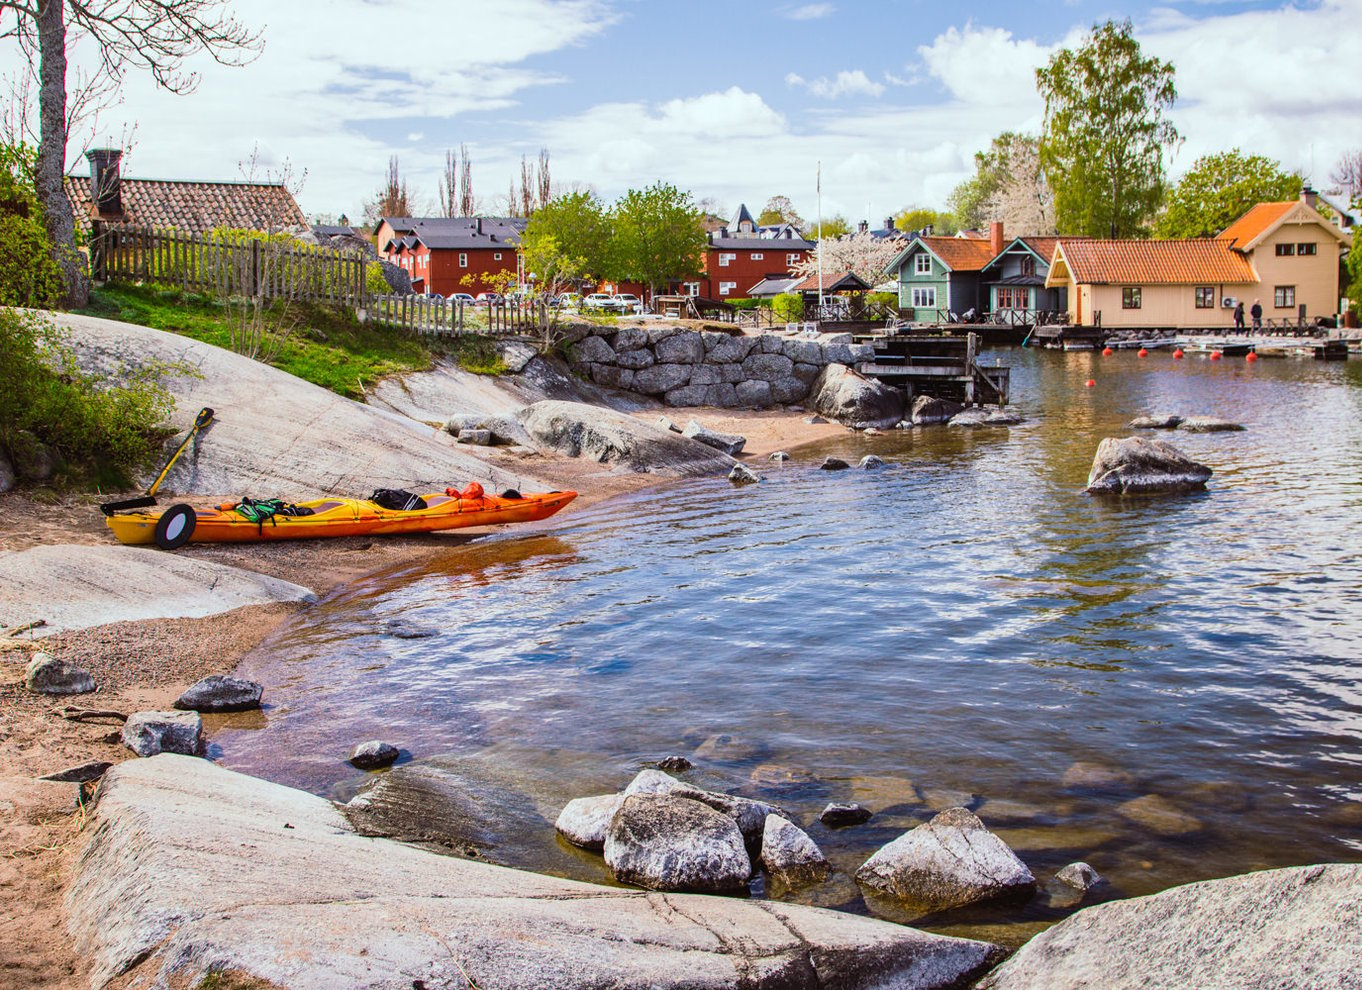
x=204, y=417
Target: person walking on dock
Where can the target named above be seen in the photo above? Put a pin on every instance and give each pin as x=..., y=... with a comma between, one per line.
x=1239, y=316
x=1257, y=313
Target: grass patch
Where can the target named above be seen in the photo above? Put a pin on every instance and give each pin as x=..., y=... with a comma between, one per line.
x=329, y=347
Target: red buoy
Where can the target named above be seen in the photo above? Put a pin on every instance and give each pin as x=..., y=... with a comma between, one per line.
x=1089, y=383
x=1177, y=355
x=1251, y=357
x=1107, y=352
x=1142, y=353
x=1215, y=355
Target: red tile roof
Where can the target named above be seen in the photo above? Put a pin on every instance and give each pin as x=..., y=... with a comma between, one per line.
x=1202, y=261
x=962, y=254
x=193, y=207
x=1256, y=222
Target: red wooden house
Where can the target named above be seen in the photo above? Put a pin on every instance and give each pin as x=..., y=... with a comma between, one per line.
x=742, y=254
x=444, y=255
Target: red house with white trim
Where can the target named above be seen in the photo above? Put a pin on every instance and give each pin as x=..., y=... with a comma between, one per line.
x=444, y=255
x=742, y=254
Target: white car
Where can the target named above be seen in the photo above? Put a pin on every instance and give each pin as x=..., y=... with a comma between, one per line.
x=460, y=297
x=628, y=302
x=603, y=301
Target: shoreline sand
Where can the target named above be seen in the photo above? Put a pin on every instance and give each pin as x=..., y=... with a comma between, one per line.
x=144, y=665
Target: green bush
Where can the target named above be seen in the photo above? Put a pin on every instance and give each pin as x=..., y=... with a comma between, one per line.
x=29, y=275
x=889, y=300
x=58, y=422
x=743, y=303
x=788, y=306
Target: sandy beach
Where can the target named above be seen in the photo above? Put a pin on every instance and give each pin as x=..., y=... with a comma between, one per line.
x=145, y=665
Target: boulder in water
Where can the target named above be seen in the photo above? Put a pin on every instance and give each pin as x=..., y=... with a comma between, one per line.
x=854, y=400
x=1137, y=466
x=666, y=842
x=221, y=693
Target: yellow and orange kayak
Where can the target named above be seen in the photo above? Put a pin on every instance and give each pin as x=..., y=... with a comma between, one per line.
x=336, y=516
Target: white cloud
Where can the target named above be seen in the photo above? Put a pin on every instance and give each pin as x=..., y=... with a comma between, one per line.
x=986, y=66
x=810, y=12
x=845, y=83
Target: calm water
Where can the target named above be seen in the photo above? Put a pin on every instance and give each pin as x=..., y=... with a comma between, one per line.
x=961, y=627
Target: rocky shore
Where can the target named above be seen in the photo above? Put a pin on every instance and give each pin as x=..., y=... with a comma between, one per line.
x=183, y=869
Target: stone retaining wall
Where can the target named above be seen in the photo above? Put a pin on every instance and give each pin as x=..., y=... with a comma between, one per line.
x=707, y=368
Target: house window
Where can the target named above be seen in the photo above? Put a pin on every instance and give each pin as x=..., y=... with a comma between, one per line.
x=924, y=296
x=1284, y=296
x=1205, y=297
x=1285, y=250
x=758, y=256
x=1013, y=297
x=691, y=288
x=1130, y=297
x=922, y=264
x=726, y=287
x=792, y=259
x=724, y=259
x=497, y=256
x=1305, y=248
x=463, y=260
x=1028, y=265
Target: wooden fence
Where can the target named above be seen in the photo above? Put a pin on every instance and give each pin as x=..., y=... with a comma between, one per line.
x=442, y=317
x=228, y=266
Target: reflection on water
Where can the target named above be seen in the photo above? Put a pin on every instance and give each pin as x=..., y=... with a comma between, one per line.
x=961, y=627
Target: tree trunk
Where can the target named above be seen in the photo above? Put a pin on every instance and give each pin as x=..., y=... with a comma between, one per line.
x=57, y=216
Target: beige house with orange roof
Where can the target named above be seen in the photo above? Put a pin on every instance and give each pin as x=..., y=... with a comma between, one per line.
x=1285, y=255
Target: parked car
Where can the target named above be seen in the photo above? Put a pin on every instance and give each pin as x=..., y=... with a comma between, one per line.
x=603, y=302
x=628, y=302
x=568, y=300
x=461, y=297
x=487, y=298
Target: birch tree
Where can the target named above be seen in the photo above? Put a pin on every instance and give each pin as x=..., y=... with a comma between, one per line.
x=154, y=36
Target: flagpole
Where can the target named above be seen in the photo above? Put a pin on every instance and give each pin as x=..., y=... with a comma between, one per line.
x=820, y=237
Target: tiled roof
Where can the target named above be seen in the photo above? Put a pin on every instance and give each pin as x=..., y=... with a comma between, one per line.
x=1043, y=246
x=960, y=254
x=1256, y=222
x=1200, y=261
x=760, y=243
x=192, y=207
x=832, y=282
x=460, y=233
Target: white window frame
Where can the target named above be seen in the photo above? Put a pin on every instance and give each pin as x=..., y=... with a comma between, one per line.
x=1283, y=297
x=922, y=263
x=758, y=256
x=726, y=287
x=792, y=259
x=724, y=259
x=691, y=288
x=463, y=259
x=924, y=297
x=497, y=256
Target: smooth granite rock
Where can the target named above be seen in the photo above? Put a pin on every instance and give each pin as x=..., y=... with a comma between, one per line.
x=585, y=821
x=789, y=855
x=666, y=842
x=1137, y=466
x=150, y=733
x=373, y=755
x=48, y=675
x=221, y=693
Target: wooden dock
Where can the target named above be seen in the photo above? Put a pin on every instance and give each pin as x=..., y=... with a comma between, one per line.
x=939, y=366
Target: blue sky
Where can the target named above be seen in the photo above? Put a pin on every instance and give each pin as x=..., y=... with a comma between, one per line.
x=735, y=101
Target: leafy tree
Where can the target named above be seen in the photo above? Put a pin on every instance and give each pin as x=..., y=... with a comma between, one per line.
x=156, y=36
x=1220, y=188
x=920, y=218
x=1105, y=133
x=828, y=227
x=1354, y=267
x=779, y=209
x=29, y=275
x=567, y=241
x=658, y=236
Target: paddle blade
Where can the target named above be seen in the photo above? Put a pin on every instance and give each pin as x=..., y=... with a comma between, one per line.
x=127, y=505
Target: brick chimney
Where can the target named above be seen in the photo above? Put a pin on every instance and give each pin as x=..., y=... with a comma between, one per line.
x=105, y=188
x=863, y=227
x=995, y=236
x=1309, y=197
x=889, y=222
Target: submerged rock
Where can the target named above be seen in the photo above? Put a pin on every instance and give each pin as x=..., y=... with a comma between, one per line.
x=843, y=815
x=1137, y=466
x=743, y=475
x=833, y=464
x=1159, y=815
x=666, y=842
x=1079, y=876
x=1209, y=424
x=950, y=861
x=869, y=462
x=779, y=455
x=928, y=410
x=1157, y=422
